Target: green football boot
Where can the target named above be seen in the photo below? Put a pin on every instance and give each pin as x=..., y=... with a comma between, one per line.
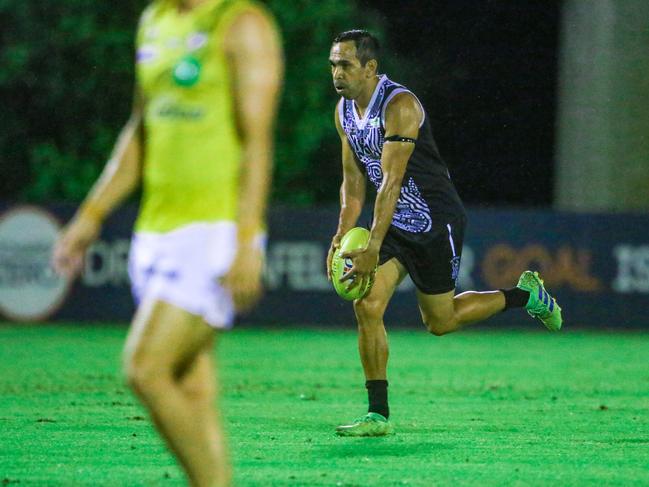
x=372, y=424
x=540, y=304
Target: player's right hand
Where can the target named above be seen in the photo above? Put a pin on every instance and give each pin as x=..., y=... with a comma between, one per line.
x=335, y=245
x=70, y=248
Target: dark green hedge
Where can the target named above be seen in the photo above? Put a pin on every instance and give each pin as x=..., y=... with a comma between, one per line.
x=66, y=84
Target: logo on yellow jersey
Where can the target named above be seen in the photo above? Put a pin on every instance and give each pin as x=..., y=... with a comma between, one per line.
x=187, y=71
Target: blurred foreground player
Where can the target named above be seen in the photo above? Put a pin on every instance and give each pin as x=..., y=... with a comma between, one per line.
x=200, y=138
x=418, y=223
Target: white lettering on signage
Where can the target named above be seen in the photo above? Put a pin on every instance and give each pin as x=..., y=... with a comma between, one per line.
x=107, y=263
x=632, y=269
x=293, y=265
x=301, y=266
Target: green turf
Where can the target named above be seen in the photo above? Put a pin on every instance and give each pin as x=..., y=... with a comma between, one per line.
x=474, y=408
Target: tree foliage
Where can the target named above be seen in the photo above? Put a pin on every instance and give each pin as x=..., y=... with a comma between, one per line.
x=67, y=81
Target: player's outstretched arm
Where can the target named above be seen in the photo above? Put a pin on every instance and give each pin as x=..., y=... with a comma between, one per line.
x=118, y=179
x=402, y=118
x=352, y=193
x=254, y=54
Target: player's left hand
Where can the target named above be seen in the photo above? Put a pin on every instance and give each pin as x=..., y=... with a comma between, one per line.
x=364, y=265
x=244, y=277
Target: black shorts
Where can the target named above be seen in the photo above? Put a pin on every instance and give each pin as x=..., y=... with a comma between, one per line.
x=432, y=259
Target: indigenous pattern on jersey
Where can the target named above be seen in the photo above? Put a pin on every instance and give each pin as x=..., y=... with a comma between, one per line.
x=191, y=143
x=428, y=198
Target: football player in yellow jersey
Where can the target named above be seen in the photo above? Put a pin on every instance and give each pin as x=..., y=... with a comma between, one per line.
x=199, y=140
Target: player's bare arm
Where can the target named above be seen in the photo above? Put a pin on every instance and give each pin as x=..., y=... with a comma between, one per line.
x=120, y=177
x=352, y=193
x=254, y=54
x=402, y=118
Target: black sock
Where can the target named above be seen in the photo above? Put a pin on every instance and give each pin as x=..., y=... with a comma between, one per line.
x=515, y=297
x=377, y=395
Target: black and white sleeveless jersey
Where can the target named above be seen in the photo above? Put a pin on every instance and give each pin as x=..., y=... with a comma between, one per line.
x=428, y=198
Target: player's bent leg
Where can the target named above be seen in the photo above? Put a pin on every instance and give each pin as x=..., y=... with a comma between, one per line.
x=164, y=359
x=445, y=313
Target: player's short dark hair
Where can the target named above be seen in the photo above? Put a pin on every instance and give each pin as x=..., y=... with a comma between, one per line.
x=367, y=46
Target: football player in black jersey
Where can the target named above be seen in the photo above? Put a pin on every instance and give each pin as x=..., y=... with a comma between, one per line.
x=418, y=221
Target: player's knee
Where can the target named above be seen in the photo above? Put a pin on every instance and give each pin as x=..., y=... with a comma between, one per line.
x=197, y=391
x=438, y=326
x=368, y=311
x=136, y=377
x=143, y=375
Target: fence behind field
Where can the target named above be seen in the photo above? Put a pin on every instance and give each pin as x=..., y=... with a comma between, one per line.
x=596, y=265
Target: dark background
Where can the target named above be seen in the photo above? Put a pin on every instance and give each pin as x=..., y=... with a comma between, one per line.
x=485, y=70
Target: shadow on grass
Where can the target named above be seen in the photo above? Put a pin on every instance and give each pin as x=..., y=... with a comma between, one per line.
x=388, y=447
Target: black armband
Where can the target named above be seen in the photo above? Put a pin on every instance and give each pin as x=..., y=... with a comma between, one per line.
x=398, y=138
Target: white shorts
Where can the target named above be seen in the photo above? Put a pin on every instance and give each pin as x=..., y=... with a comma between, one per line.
x=183, y=267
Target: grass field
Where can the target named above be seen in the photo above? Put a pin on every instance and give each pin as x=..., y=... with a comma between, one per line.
x=474, y=408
